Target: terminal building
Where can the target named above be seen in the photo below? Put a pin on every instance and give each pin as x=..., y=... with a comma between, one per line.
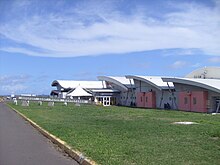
x=199, y=91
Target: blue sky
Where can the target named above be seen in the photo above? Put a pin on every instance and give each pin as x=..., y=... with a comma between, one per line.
x=41, y=41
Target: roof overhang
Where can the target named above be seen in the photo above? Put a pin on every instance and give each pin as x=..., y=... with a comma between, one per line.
x=146, y=81
x=194, y=82
x=114, y=81
x=105, y=91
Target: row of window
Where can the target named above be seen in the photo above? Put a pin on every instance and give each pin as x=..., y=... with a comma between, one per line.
x=186, y=100
x=146, y=98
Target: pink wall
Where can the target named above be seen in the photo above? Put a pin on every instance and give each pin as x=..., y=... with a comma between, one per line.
x=150, y=99
x=182, y=104
x=196, y=101
x=146, y=99
x=140, y=97
x=199, y=101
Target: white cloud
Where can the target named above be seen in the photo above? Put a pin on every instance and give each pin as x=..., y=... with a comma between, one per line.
x=93, y=31
x=178, y=64
x=21, y=50
x=13, y=84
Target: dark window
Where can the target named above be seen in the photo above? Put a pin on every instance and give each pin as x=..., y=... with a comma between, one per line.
x=141, y=99
x=194, y=100
x=146, y=99
x=174, y=98
x=185, y=100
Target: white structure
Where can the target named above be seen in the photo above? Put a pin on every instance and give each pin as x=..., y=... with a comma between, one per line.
x=66, y=86
x=87, y=90
x=124, y=90
x=205, y=73
x=78, y=92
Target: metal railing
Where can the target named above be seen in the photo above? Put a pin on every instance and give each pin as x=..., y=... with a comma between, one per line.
x=53, y=99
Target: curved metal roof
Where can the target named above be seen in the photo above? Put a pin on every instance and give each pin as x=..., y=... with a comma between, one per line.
x=155, y=81
x=206, y=73
x=210, y=84
x=122, y=82
x=66, y=84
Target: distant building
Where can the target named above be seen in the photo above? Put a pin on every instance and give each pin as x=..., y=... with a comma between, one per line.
x=205, y=73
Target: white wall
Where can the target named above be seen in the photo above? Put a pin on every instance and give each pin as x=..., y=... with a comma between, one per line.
x=127, y=97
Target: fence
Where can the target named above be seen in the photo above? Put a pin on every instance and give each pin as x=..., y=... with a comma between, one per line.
x=47, y=99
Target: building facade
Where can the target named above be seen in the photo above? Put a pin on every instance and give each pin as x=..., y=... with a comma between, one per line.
x=199, y=91
x=152, y=92
x=197, y=95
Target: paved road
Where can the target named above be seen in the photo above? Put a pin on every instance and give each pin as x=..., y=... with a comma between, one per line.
x=21, y=144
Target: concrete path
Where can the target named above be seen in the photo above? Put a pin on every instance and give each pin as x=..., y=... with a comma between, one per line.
x=21, y=144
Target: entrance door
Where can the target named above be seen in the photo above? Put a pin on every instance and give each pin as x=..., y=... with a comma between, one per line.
x=106, y=101
x=113, y=101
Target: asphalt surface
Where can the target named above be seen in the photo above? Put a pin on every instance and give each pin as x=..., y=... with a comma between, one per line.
x=21, y=144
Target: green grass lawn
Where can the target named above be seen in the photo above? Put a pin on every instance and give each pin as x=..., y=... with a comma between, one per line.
x=132, y=136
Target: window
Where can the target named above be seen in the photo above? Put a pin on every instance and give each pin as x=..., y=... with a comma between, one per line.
x=185, y=100
x=194, y=100
x=146, y=99
x=141, y=99
x=174, y=98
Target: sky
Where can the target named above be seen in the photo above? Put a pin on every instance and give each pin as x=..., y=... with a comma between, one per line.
x=42, y=41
